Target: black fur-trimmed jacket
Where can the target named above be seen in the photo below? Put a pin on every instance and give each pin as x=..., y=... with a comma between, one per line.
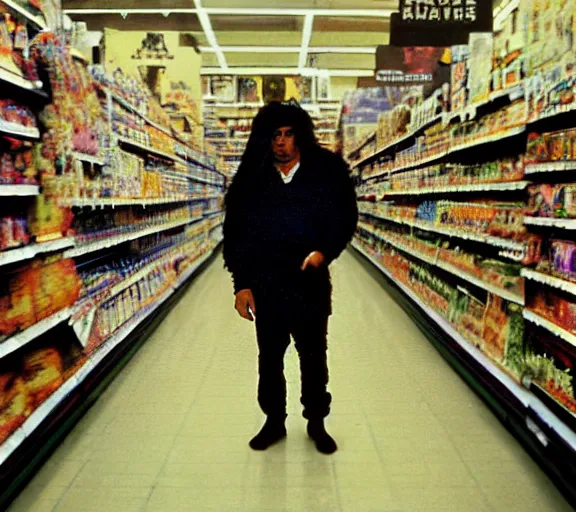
x=271, y=227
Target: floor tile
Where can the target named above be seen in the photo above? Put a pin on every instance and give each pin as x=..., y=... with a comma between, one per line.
x=171, y=433
x=165, y=499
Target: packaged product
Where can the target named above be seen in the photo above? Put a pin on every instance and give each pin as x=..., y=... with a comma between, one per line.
x=563, y=259
x=43, y=374
x=541, y=200
x=15, y=404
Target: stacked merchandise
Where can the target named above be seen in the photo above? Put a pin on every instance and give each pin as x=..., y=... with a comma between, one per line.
x=77, y=281
x=471, y=209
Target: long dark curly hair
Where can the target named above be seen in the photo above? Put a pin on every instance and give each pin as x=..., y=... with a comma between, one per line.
x=257, y=158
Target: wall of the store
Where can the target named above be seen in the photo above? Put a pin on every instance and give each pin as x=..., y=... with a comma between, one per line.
x=185, y=67
x=340, y=85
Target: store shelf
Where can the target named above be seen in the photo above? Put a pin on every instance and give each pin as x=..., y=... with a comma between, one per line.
x=479, y=187
x=87, y=247
x=152, y=151
x=549, y=280
x=568, y=224
x=21, y=339
x=44, y=410
x=149, y=150
x=113, y=202
x=19, y=81
x=37, y=21
x=212, y=214
x=18, y=130
x=527, y=399
x=91, y=159
x=132, y=108
x=513, y=132
x=465, y=235
x=19, y=190
x=33, y=250
x=95, y=300
x=550, y=326
x=544, y=167
x=455, y=271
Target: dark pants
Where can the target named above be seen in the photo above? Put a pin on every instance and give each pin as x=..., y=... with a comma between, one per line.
x=309, y=331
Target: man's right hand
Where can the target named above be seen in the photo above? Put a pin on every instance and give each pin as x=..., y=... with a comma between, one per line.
x=245, y=300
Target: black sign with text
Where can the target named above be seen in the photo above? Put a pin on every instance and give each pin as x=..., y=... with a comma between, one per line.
x=439, y=22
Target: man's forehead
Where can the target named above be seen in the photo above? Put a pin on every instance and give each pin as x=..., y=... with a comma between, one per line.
x=284, y=128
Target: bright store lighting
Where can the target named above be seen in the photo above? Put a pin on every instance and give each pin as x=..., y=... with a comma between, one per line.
x=254, y=11
x=209, y=33
x=306, y=37
x=130, y=11
x=377, y=13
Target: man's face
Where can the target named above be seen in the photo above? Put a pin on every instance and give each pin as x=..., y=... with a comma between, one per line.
x=284, y=144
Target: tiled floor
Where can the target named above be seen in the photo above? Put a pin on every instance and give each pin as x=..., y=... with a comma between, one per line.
x=171, y=433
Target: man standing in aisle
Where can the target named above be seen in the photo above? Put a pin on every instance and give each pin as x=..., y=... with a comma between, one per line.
x=290, y=211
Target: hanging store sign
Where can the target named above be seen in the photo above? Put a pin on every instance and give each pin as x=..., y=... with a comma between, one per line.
x=439, y=22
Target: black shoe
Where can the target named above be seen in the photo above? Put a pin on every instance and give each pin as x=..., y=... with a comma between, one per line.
x=272, y=432
x=324, y=442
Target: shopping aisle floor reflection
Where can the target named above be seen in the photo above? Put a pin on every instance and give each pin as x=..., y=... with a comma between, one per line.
x=171, y=433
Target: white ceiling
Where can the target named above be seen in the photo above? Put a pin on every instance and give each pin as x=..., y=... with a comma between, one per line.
x=217, y=31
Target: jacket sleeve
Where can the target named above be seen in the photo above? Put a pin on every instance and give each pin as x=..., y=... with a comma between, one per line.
x=342, y=215
x=234, y=248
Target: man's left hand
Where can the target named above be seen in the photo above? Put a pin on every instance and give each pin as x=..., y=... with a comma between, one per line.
x=314, y=260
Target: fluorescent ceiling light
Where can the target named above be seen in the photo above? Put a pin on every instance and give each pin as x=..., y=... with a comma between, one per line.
x=209, y=33
x=306, y=37
x=129, y=11
x=254, y=11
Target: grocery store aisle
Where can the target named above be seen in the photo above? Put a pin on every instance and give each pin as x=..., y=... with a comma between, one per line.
x=171, y=432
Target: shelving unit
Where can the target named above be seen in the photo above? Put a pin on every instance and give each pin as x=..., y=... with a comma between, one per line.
x=520, y=361
x=38, y=22
x=18, y=130
x=19, y=190
x=458, y=189
x=154, y=271
x=44, y=411
x=14, y=79
x=502, y=243
x=527, y=399
x=29, y=252
x=111, y=241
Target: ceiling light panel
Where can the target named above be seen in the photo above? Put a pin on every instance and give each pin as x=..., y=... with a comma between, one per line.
x=140, y=4
x=306, y=37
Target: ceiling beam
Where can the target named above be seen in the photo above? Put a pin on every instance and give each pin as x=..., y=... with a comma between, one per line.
x=246, y=11
x=306, y=38
x=209, y=33
x=257, y=11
